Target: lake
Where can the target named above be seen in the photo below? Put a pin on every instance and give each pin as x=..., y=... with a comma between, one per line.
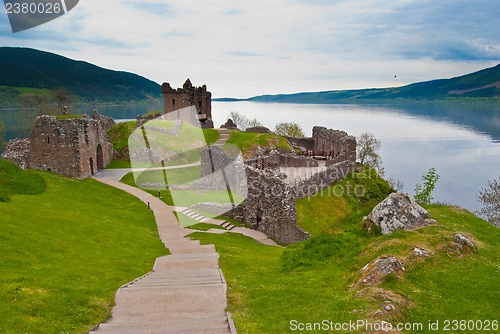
x=461, y=140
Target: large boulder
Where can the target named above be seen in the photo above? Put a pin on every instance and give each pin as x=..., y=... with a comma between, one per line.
x=398, y=211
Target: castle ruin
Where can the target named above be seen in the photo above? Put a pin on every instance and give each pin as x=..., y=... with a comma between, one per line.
x=273, y=189
x=188, y=95
x=76, y=147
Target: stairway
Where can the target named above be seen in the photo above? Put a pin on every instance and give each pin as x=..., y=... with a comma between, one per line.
x=185, y=293
x=202, y=219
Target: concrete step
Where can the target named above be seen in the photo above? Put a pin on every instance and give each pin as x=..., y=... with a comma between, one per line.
x=210, y=325
x=227, y=225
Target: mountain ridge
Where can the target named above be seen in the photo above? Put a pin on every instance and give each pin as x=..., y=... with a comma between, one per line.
x=484, y=83
x=31, y=68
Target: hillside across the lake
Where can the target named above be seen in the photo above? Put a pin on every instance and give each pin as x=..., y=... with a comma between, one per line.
x=30, y=71
x=481, y=84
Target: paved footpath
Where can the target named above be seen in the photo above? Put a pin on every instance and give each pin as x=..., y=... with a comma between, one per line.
x=186, y=291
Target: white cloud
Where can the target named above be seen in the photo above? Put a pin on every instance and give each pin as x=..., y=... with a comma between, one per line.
x=246, y=48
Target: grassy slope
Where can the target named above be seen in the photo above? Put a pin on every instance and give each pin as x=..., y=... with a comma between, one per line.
x=316, y=279
x=65, y=252
x=249, y=142
x=119, y=135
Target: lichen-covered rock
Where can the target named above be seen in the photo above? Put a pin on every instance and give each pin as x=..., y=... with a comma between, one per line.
x=417, y=251
x=373, y=273
x=462, y=240
x=399, y=211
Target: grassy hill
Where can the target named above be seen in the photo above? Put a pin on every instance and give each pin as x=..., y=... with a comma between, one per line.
x=24, y=70
x=320, y=279
x=66, y=246
x=481, y=84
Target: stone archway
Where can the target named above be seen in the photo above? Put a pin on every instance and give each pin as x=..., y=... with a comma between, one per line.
x=91, y=162
x=100, y=157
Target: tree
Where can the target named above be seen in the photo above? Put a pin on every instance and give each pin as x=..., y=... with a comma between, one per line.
x=423, y=192
x=289, y=129
x=367, y=147
x=41, y=103
x=242, y=122
x=490, y=197
x=63, y=99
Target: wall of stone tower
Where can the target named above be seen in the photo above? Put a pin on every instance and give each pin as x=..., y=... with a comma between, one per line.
x=188, y=95
x=75, y=147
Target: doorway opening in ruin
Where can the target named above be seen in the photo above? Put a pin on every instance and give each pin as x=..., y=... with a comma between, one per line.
x=258, y=218
x=100, y=157
x=91, y=161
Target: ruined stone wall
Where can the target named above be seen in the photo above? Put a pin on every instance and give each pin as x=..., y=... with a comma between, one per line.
x=270, y=208
x=306, y=143
x=334, y=143
x=75, y=147
x=325, y=178
x=175, y=99
x=292, y=160
x=276, y=159
x=270, y=204
x=16, y=151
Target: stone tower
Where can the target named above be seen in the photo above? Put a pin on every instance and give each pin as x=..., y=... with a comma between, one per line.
x=188, y=95
x=75, y=147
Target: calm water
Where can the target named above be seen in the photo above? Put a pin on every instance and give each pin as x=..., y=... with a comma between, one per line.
x=462, y=141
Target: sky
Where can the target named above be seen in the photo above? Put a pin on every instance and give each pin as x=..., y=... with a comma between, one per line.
x=245, y=48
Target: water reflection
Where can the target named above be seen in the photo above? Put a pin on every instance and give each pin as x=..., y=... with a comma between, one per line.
x=461, y=140
x=463, y=148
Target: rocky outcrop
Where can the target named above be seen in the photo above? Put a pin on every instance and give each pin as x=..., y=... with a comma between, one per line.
x=374, y=272
x=398, y=211
x=229, y=125
x=463, y=241
x=258, y=129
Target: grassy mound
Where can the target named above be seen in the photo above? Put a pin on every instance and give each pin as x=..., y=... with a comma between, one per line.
x=66, y=251
x=14, y=180
x=251, y=143
x=321, y=278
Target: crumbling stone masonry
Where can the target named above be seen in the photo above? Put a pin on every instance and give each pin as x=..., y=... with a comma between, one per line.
x=335, y=145
x=270, y=203
x=75, y=147
x=188, y=95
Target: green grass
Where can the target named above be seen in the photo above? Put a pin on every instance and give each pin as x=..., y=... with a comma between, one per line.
x=114, y=164
x=319, y=278
x=14, y=180
x=249, y=142
x=264, y=296
x=65, y=252
x=120, y=133
x=205, y=227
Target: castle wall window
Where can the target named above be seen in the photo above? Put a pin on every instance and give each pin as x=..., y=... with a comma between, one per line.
x=173, y=102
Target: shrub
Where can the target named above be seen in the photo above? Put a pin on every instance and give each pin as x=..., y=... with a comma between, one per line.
x=423, y=192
